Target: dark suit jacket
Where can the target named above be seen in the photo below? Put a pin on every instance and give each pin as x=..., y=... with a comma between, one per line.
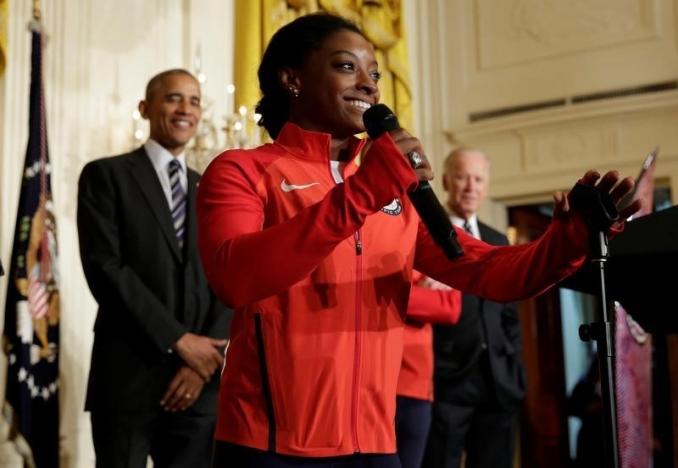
x=149, y=291
x=482, y=325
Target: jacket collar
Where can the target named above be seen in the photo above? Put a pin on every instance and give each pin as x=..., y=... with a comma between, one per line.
x=312, y=145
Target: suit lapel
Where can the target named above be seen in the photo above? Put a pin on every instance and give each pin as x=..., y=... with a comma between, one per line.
x=144, y=174
x=482, y=231
x=491, y=236
x=191, y=241
x=190, y=317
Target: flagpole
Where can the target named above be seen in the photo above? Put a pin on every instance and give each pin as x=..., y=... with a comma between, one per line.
x=37, y=11
x=35, y=24
x=32, y=307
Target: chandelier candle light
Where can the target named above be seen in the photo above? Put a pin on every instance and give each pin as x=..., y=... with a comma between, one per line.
x=240, y=128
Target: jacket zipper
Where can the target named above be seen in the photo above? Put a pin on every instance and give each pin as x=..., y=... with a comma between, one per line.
x=358, y=341
x=265, y=383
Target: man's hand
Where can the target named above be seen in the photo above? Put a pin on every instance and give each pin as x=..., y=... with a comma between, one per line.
x=609, y=183
x=435, y=285
x=202, y=353
x=183, y=390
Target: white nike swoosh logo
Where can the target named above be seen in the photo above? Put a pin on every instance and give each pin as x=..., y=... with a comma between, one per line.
x=289, y=187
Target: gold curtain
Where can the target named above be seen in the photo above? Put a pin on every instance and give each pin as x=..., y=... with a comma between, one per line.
x=3, y=34
x=380, y=20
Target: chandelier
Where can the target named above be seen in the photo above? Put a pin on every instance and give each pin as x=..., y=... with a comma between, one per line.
x=237, y=128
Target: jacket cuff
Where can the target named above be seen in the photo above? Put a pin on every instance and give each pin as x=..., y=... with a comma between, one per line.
x=383, y=175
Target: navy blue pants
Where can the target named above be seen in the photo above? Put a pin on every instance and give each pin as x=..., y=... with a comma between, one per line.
x=125, y=439
x=413, y=421
x=236, y=456
x=485, y=431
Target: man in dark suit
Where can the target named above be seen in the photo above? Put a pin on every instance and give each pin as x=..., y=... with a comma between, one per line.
x=160, y=332
x=479, y=380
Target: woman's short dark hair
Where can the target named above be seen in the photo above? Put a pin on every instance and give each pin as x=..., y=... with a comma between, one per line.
x=289, y=47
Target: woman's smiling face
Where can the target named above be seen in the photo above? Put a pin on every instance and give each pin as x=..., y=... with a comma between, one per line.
x=336, y=84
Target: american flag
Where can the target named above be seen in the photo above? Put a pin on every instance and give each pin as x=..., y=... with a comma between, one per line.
x=31, y=333
x=633, y=364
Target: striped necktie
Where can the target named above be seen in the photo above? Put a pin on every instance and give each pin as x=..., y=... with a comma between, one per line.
x=178, y=201
x=467, y=227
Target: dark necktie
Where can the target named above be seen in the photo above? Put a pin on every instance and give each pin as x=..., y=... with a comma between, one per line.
x=467, y=227
x=178, y=201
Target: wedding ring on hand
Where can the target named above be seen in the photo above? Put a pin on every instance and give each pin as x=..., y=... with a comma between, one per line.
x=416, y=159
x=187, y=396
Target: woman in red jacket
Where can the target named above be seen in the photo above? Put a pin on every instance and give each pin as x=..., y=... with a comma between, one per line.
x=430, y=302
x=315, y=254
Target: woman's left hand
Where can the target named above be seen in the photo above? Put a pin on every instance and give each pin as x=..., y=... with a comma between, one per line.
x=610, y=183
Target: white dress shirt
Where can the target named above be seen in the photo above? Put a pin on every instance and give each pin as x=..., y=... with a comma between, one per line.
x=472, y=221
x=160, y=158
x=337, y=169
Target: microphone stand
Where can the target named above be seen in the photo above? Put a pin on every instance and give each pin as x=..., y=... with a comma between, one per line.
x=600, y=213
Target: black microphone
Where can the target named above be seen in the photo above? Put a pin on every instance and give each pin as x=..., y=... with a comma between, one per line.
x=379, y=119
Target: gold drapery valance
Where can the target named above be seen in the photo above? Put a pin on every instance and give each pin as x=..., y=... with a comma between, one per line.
x=380, y=20
x=4, y=5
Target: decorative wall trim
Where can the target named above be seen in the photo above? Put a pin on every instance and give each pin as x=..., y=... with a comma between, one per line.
x=519, y=31
x=534, y=154
x=563, y=115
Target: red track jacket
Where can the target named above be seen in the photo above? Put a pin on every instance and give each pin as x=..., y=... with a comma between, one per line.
x=319, y=275
x=426, y=306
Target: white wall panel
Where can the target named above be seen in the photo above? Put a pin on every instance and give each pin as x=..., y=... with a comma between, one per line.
x=519, y=52
x=98, y=58
x=522, y=51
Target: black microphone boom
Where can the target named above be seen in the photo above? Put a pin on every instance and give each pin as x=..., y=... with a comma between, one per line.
x=379, y=119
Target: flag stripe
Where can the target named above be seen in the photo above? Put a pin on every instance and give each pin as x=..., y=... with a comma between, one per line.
x=32, y=310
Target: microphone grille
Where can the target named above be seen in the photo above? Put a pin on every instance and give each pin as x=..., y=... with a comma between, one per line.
x=379, y=119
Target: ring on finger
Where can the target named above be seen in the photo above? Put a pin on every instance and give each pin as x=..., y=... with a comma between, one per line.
x=416, y=159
